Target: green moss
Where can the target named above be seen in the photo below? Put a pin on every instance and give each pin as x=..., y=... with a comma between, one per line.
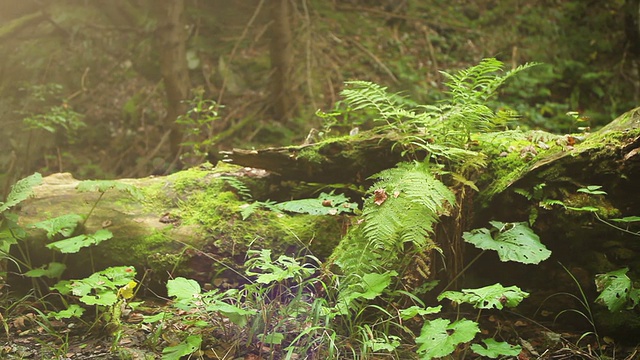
x=311, y=155
x=148, y=251
x=511, y=155
x=209, y=212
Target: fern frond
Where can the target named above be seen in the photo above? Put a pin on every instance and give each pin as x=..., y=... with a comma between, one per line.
x=480, y=82
x=20, y=191
x=404, y=205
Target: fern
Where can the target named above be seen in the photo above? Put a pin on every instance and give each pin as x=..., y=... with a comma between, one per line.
x=478, y=83
x=239, y=186
x=406, y=202
x=20, y=191
x=449, y=123
x=403, y=206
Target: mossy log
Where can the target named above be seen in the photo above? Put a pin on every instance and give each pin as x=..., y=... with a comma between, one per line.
x=189, y=223
x=186, y=224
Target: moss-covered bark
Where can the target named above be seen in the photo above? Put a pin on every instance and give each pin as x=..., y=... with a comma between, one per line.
x=186, y=224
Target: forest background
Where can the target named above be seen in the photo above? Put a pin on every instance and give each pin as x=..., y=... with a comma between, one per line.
x=95, y=87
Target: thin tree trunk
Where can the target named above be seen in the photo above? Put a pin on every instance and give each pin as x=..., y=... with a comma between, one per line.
x=172, y=38
x=282, y=92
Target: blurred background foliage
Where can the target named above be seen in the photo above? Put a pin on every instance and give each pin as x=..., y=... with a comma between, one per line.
x=83, y=88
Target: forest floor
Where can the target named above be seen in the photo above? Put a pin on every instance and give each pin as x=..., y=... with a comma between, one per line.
x=28, y=336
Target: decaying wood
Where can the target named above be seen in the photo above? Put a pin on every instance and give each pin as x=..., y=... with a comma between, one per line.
x=343, y=160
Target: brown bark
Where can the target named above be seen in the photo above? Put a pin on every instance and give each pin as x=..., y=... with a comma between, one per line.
x=172, y=38
x=282, y=91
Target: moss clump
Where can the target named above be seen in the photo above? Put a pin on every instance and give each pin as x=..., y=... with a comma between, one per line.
x=511, y=154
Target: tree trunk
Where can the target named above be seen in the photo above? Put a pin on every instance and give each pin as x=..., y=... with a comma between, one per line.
x=172, y=38
x=281, y=52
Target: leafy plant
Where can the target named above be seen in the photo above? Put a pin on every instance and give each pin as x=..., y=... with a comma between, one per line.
x=616, y=290
x=512, y=242
x=198, y=124
x=324, y=204
x=494, y=296
x=108, y=291
x=440, y=337
x=10, y=231
x=402, y=208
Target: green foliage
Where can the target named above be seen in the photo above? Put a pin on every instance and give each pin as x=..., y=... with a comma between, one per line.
x=402, y=207
x=617, y=291
x=444, y=129
x=478, y=83
x=240, y=187
x=440, y=337
x=20, y=191
x=414, y=310
x=57, y=118
x=494, y=349
x=512, y=241
x=52, y=270
x=324, y=204
x=489, y=297
x=74, y=244
x=187, y=347
x=369, y=287
x=64, y=225
x=100, y=288
x=592, y=190
x=283, y=268
x=197, y=124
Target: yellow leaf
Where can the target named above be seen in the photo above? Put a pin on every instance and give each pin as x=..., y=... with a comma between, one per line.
x=126, y=292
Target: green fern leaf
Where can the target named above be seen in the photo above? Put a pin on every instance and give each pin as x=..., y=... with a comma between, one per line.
x=20, y=191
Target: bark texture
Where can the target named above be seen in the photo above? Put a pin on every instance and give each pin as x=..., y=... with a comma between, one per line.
x=281, y=53
x=172, y=38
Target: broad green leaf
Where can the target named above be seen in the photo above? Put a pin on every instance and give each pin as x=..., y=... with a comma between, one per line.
x=614, y=288
x=495, y=349
x=74, y=244
x=583, y=208
x=190, y=345
x=104, y=298
x=150, y=319
x=52, y=270
x=64, y=225
x=488, y=297
x=325, y=204
x=387, y=343
x=414, y=311
x=20, y=191
x=371, y=286
x=271, y=338
x=63, y=287
x=119, y=275
x=183, y=289
x=100, y=288
x=440, y=338
x=513, y=242
x=74, y=310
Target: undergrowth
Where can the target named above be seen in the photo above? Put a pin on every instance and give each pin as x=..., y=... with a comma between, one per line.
x=354, y=305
